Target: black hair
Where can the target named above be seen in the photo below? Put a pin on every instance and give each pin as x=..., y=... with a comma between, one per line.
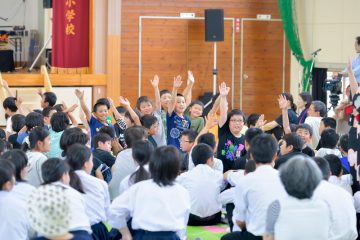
x=7, y=170
x=53, y=169
x=101, y=102
x=59, y=107
x=71, y=136
x=148, y=120
x=164, y=91
x=233, y=113
x=358, y=40
x=34, y=119
x=17, y=122
x=121, y=109
x=292, y=127
x=292, y=139
x=59, y=121
x=252, y=119
x=306, y=127
x=46, y=111
x=141, y=152
x=100, y=137
x=133, y=134
x=196, y=102
x=19, y=159
x=191, y=134
x=250, y=166
x=36, y=134
x=207, y=138
x=307, y=98
x=2, y=134
x=50, y=98
x=290, y=98
x=164, y=165
x=329, y=122
x=251, y=133
x=10, y=103
x=277, y=131
x=77, y=156
x=263, y=148
x=38, y=111
x=334, y=163
x=3, y=146
x=329, y=138
x=324, y=166
x=344, y=142
x=108, y=130
x=201, y=153
x=141, y=100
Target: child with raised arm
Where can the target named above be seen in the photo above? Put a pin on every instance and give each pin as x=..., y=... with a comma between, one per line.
x=176, y=120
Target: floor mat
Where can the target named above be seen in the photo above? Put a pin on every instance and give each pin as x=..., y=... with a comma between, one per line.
x=206, y=232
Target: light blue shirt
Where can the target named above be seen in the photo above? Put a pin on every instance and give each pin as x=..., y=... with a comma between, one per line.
x=355, y=67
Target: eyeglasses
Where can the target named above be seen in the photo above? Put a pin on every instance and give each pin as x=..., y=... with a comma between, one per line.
x=236, y=120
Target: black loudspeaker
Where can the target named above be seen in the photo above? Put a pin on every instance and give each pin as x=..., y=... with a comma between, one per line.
x=214, y=25
x=47, y=3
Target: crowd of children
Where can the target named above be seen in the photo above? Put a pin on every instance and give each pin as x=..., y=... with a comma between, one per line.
x=161, y=166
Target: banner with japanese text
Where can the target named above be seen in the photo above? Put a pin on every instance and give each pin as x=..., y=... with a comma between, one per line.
x=70, y=40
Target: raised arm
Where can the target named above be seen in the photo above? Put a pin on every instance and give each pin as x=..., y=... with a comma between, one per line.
x=155, y=84
x=176, y=85
x=5, y=85
x=188, y=90
x=80, y=95
x=113, y=109
x=215, y=106
x=211, y=121
x=69, y=112
x=224, y=91
x=353, y=83
x=125, y=102
x=284, y=111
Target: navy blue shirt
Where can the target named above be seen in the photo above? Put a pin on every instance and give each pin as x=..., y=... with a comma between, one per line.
x=175, y=126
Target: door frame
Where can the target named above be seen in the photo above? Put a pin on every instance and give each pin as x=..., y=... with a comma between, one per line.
x=180, y=18
x=242, y=54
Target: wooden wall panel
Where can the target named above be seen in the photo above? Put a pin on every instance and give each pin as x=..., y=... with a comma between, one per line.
x=169, y=44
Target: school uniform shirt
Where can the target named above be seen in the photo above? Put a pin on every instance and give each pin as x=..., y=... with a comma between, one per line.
x=79, y=220
x=345, y=182
x=204, y=185
x=234, y=178
x=230, y=148
x=124, y=165
x=314, y=123
x=218, y=165
x=357, y=201
x=96, y=197
x=22, y=191
x=175, y=126
x=9, y=128
x=326, y=151
x=151, y=207
x=160, y=136
x=14, y=218
x=253, y=196
x=343, y=215
x=126, y=184
x=36, y=159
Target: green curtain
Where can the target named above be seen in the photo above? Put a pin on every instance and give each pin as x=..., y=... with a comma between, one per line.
x=290, y=25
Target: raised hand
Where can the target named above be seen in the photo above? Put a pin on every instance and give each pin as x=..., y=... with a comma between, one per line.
x=110, y=101
x=40, y=91
x=191, y=78
x=4, y=84
x=124, y=101
x=223, y=89
x=177, y=81
x=282, y=102
x=71, y=109
x=18, y=102
x=261, y=121
x=79, y=94
x=211, y=121
x=155, y=81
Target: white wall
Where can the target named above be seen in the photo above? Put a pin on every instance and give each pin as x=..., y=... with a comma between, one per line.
x=331, y=25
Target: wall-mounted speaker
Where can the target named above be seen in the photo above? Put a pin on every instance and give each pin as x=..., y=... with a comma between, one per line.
x=214, y=25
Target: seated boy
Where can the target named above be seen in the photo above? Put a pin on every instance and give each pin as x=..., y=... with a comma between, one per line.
x=326, y=123
x=328, y=141
x=290, y=146
x=304, y=130
x=204, y=185
x=151, y=125
x=102, y=149
x=187, y=141
x=337, y=177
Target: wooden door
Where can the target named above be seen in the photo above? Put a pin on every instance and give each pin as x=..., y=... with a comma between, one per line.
x=263, y=68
